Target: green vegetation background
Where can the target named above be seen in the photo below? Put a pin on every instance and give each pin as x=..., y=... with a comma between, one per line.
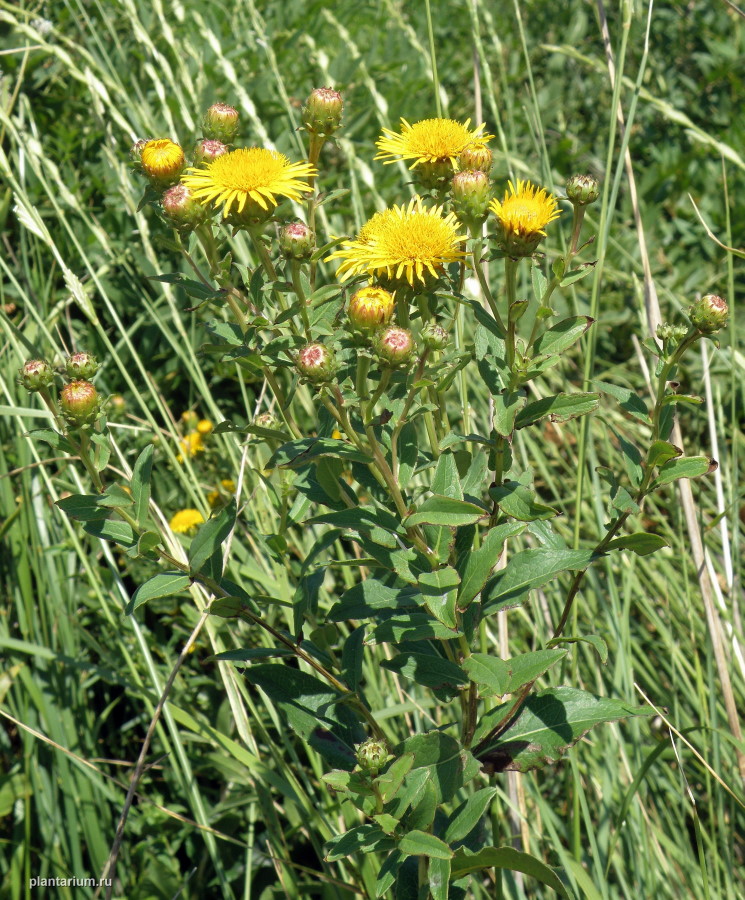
x=78, y=681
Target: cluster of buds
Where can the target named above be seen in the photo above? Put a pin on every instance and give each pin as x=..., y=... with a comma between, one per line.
x=79, y=402
x=322, y=112
x=470, y=187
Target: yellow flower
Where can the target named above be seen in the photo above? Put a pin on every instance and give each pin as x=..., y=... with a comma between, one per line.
x=410, y=242
x=186, y=521
x=248, y=180
x=204, y=426
x=523, y=216
x=215, y=498
x=162, y=158
x=430, y=141
x=370, y=307
x=227, y=484
x=190, y=445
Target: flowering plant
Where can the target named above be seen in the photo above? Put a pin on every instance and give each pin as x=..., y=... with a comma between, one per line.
x=426, y=524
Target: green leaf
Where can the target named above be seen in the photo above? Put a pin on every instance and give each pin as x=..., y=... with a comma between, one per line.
x=468, y=815
x=506, y=407
x=249, y=654
x=313, y=710
x=84, y=507
x=577, y=274
x=528, y=666
x=439, y=510
x=101, y=450
x=438, y=874
x=408, y=453
x=475, y=567
x=164, y=584
x=424, y=668
x=629, y=401
x=440, y=761
x=140, y=484
x=112, y=530
x=593, y=639
x=352, y=656
x=361, y=518
x=530, y=569
x=361, y=839
x=367, y=598
x=632, y=459
x=487, y=671
x=54, y=439
x=464, y=862
x=559, y=408
x=210, y=536
x=412, y=627
x=387, y=873
x=420, y=843
x=661, y=452
x=296, y=454
x=620, y=498
x=685, y=467
x=518, y=501
x=115, y=497
x=386, y=822
x=539, y=282
x=562, y=335
x=446, y=481
x=390, y=782
x=642, y=543
x=439, y=589
x=548, y=723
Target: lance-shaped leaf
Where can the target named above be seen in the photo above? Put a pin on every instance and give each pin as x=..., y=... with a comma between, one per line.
x=361, y=839
x=642, y=543
x=420, y=843
x=518, y=501
x=439, y=590
x=684, y=467
x=558, y=408
x=424, y=668
x=439, y=510
x=296, y=454
x=562, y=335
x=476, y=566
x=164, y=584
x=464, y=862
x=548, y=723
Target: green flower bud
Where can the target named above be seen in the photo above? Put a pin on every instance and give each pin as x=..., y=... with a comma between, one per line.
x=372, y=755
x=476, y=158
x=369, y=308
x=182, y=210
x=220, y=123
x=267, y=420
x=583, y=189
x=433, y=175
x=81, y=365
x=80, y=403
x=322, y=111
x=296, y=241
x=709, y=314
x=434, y=336
x=35, y=374
x=471, y=194
x=207, y=151
x=317, y=363
x=395, y=346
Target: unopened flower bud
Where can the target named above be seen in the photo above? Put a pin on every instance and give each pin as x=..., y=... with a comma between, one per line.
x=162, y=161
x=207, y=151
x=81, y=365
x=35, y=374
x=583, y=189
x=296, y=241
x=394, y=346
x=322, y=111
x=267, y=420
x=182, y=210
x=317, y=363
x=372, y=755
x=433, y=175
x=434, y=336
x=471, y=190
x=79, y=402
x=477, y=158
x=709, y=314
x=369, y=308
x=220, y=123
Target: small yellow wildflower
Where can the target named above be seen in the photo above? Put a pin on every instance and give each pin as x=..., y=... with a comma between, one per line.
x=204, y=426
x=523, y=216
x=248, y=181
x=186, y=521
x=162, y=159
x=430, y=141
x=411, y=243
x=190, y=445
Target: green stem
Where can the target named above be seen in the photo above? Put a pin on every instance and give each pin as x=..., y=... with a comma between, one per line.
x=433, y=60
x=282, y=402
x=300, y=294
x=484, y=284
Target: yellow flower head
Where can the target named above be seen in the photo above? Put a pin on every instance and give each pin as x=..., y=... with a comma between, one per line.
x=430, y=141
x=405, y=242
x=248, y=180
x=186, y=521
x=204, y=426
x=370, y=307
x=162, y=159
x=523, y=216
x=190, y=445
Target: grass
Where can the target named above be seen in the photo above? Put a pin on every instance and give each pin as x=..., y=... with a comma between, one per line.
x=231, y=804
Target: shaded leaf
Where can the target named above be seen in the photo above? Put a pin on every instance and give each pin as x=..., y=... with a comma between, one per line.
x=420, y=843
x=465, y=862
x=476, y=567
x=164, y=584
x=642, y=543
